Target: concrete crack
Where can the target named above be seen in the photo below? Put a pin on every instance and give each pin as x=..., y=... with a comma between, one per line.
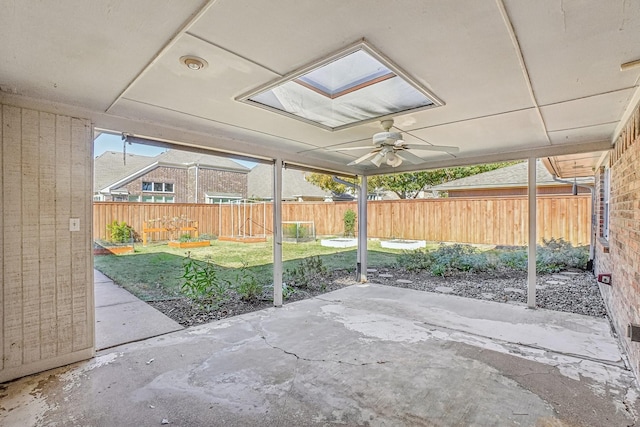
x=298, y=357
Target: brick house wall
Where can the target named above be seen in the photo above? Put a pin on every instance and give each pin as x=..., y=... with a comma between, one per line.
x=221, y=182
x=184, y=183
x=172, y=175
x=619, y=255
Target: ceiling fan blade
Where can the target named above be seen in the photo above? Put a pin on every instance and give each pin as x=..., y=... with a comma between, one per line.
x=363, y=158
x=445, y=148
x=363, y=147
x=409, y=157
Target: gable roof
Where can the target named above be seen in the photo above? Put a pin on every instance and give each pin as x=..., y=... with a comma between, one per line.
x=294, y=184
x=110, y=169
x=508, y=177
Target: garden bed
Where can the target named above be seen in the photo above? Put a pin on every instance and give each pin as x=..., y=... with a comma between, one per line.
x=571, y=291
x=187, y=245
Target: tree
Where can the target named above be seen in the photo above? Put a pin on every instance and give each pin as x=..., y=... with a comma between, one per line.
x=407, y=185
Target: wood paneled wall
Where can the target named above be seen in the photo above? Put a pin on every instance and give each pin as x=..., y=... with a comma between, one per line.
x=47, y=271
x=497, y=221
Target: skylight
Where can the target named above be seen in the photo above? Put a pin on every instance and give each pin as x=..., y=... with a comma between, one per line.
x=351, y=87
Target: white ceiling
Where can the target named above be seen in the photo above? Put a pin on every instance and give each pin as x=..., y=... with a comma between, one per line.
x=518, y=78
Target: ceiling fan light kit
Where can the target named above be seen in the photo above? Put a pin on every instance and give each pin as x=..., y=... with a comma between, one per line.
x=392, y=149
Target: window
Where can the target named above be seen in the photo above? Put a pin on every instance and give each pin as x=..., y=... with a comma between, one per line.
x=157, y=199
x=606, y=187
x=352, y=86
x=134, y=198
x=220, y=199
x=157, y=187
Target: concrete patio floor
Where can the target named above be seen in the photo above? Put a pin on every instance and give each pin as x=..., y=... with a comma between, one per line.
x=363, y=355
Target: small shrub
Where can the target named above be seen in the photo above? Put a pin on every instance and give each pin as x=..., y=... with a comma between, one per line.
x=551, y=257
x=185, y=238
x=247, y=286
x=303, y=274
x=514, y=260
x=446, y=259
x=349, y=220
x=202, y=284
x=287, y=291
x=416, y=260
x=120, y=232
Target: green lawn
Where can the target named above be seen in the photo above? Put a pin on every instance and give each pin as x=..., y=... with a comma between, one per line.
x=153, y=272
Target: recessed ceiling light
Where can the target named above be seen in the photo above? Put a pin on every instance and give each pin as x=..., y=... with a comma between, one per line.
x=193, y=62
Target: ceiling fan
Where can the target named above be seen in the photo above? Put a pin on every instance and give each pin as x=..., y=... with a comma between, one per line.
x=390, y=147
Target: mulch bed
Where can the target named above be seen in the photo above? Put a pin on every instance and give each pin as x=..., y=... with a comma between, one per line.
x=572, y=291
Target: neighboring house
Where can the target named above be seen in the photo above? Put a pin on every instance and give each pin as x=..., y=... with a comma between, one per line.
x=294, y=185
x=171, y=177
x=509, y=181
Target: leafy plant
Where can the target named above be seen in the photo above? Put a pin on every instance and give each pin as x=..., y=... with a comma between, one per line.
x=552, y=256
x=349, y=219
x=303, y=274
x=202, y=284
x=247, y=285
x=514, y=260
x=287, y=291
x=120, y=232
x=186, y=237
x=446, y=260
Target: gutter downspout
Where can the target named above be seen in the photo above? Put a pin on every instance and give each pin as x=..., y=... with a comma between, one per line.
x=591, y=188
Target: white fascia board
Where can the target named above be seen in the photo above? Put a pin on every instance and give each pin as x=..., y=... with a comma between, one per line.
x=131, y=177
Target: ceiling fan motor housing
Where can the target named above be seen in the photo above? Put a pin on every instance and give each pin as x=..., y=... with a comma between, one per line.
x=388, y=138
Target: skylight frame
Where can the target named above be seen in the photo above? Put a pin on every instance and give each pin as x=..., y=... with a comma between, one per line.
x=360, y=45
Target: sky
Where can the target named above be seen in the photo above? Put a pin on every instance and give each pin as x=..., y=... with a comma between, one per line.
x=109, y=142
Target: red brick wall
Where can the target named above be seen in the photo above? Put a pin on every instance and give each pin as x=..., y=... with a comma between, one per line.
x=209, y=180
x=623, y=260
x=175, y=176
x=217, y=181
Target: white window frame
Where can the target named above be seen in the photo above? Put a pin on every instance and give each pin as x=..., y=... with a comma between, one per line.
x=164, y=186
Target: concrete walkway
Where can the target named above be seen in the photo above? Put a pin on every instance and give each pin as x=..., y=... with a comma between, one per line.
x=122, y=318
x=364, y=355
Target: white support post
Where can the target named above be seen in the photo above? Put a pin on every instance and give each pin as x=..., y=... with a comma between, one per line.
x=277, y=233
x=531, y=294
x=362, y=231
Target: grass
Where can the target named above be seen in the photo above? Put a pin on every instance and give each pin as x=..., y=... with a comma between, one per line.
x=154, y=272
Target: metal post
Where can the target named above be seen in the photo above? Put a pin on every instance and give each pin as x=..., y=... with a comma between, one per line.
x=277, y=233
x=362, y=230
x=531, y=294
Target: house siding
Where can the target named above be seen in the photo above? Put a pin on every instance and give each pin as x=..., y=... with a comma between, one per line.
x=620, y=254
x=47, y=271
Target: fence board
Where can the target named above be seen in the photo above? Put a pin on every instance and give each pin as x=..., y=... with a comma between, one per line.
x=498, y=221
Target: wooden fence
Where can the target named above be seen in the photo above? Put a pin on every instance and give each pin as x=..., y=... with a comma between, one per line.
x=499, y=221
